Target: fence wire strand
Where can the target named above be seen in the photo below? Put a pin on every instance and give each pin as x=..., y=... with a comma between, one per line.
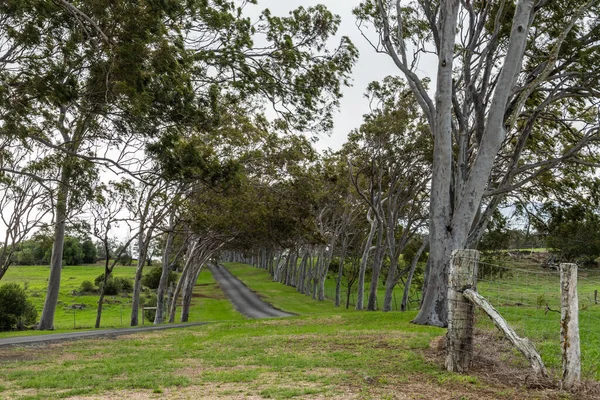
x=529, y=299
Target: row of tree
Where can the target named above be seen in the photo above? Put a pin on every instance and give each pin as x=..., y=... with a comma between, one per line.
x=151, y=118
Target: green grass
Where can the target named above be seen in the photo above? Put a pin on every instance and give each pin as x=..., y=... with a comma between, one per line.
x=307, y=355
x=257, y=276
x=325, y=351
x=529, y=299
x=520, y=296
x=275, y=358
x=208, y=303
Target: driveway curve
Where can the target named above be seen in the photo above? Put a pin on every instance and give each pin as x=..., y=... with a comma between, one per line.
x=243, y=299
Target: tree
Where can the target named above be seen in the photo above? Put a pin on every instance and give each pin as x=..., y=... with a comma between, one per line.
x=23, y=203
x=571, y=230
x=89, y=251
x=105, y=215
x=389, y=159
x=77, y=92
x=72, y=251
x=514, y=91
x=16, y=312
x=79, y=82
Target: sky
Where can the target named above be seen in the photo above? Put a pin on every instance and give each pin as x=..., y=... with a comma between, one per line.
x=371, y=66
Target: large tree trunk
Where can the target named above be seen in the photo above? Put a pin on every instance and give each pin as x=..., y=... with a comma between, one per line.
x=47, y=318
x=434, y=309
x=189, y=261
x=338, y=281
x=390, y=284
x=451, y=222
x=188, y=293
x=107, y=272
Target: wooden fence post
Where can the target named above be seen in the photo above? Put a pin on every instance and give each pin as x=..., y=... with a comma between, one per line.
x=569, y=326
x=462, y=276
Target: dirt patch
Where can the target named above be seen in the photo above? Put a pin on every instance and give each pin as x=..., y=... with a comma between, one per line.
x=11, y=355
x=496, y=363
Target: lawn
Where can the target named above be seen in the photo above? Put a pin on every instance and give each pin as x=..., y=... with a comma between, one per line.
x=208, y=303
x=529, y=299
x=324, y=352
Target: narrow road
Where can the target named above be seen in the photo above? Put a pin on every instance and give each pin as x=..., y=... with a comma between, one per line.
x=56, y=337
x=243, y=299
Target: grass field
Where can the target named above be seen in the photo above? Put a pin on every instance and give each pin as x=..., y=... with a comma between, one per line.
x=208, y=304
x=324, y=352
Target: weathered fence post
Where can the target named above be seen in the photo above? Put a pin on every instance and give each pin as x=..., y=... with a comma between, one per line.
x=462, y=276
x=569, y=326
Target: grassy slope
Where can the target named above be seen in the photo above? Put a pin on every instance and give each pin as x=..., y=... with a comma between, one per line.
x=325, y=352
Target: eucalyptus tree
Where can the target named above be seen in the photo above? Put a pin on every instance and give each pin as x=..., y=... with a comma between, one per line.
x=106, y=214
x=285, y=62
x=515, y=98
x=83, y=78
x=23, y=202
x=337, y=210
x=404, y=165
x=389, y=163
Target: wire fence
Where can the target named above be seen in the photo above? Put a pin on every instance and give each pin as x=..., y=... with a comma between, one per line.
x=529, y=299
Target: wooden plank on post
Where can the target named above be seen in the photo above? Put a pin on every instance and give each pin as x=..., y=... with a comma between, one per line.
x=462, y=276
x=524, y=345
x=569, y=327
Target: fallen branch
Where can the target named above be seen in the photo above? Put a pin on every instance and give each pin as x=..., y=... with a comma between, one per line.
x=524, y=345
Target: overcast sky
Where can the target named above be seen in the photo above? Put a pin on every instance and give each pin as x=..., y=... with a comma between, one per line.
x=370, y=66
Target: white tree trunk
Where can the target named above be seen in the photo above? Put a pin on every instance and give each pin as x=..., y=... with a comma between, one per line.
x=434, y=308
x=47, y=318
x=363, y=267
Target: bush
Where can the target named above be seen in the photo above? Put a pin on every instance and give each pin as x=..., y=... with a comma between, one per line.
x=152, y=278
x=87, y=287
x=126, y=284
x=16, y=312
x=150, y=314
x=115, y=285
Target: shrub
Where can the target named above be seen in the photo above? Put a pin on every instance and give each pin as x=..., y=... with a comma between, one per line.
x=99, y=279
x=152, y=278
x=114, y=285
x=150, y=302
x=16, y=312
x=126, y=284
x=87, y=287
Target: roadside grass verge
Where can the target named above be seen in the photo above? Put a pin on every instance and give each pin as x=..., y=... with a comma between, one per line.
x=323, y=355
